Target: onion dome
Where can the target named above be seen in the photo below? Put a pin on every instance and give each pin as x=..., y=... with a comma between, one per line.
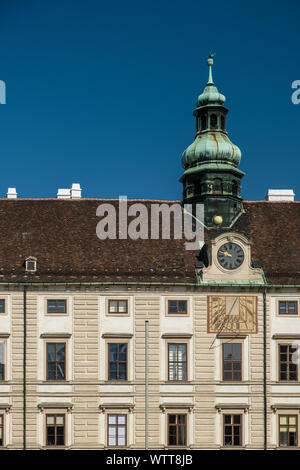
x=210, y=94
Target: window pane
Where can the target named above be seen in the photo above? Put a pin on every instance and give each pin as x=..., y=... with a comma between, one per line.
x=182, y=352
x=283, y=437
x=2, y=305
x=181, y=436
x=61, y=306
x=112, y=419
x=292, y=307
x=227, y=348
x=182, y=306
x=236, y=419
x=50, y=419
x=51, y=351
x=122, y=419
x=181, y=419
x=172, y=419
x=283, y=419
x=60, y=351
x=59, y=420
x=113, y=306
x=237, y=350
x=292, y=420
x=122, y=306
x=227, y=419
x=172, y=306
x=282, y=307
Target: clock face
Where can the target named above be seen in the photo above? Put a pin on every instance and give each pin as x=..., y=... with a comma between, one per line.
x=228, y=314
x=230, y=255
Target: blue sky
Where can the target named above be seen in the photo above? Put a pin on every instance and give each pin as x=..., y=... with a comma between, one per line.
x=102, y=93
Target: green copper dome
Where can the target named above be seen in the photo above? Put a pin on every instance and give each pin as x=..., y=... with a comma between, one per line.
x=211, y=175
x=211, y=143
x=211, y=147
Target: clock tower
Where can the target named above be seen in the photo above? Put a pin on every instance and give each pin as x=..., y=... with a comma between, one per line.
x=211, y=174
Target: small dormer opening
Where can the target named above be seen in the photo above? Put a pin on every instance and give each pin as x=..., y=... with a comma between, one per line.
x=218, y=186
x=31, y=264
x=213, y=121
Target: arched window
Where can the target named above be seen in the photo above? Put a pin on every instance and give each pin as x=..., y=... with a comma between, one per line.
x=203, y=122
x=218, y=186
x=234, y=188
x=222, y=122
x=213, y=121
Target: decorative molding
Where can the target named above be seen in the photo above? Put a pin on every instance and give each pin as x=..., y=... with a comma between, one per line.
x=52, y=405
x=56, y=335
x=177, y=335
x=166, y=406
x=117, y=335
x=4, y=335
x=111, y=406
x=5, y=406
x=231, y=336
x=232, y=406
x=286, y=336
x=280, y=406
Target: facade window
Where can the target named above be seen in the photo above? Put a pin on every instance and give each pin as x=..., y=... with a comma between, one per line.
x=232, y=361
x=1, y=430
x=56, y=361
x=117, y=361
x=2, y=305
x=57, y=306
x=288, y=430
x=117, y=430
x=289, y=307
x=213, y=121
x=177, y=363
x=117, y=306
x=2, y=360
x=177, y=428
x=177, y=306
x=55, y=430
x=288, y=369
x=232, y=430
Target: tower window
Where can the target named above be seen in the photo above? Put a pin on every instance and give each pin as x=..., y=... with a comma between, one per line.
x=203, y=122
x=218, y=187
x=234, y=188
x=222, y=122
x=213, y=121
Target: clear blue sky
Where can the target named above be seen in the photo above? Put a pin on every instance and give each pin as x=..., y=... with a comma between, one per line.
x=102, y=93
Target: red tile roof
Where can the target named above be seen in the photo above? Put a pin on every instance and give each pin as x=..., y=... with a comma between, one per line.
x=61, y=234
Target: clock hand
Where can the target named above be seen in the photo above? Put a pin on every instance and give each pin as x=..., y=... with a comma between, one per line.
x=226, y=253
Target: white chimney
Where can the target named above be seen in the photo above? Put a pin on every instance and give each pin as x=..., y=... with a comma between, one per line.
x=76, y=191
x=286, y=195
x=12, y=193
x=63, y=193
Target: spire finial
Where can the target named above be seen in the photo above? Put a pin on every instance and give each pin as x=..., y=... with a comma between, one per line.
x=210, y=62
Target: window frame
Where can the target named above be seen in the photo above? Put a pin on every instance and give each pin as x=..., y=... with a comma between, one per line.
x=2, y=429
x=177, y=313
x=4, y=342
x=56, y=300
x=288, y=363
x=240, y=425
x=177, y=343
x=55, y=415
x=4, y=306
x=118, y=312
x=288, y=426
x=177, y=425
x=232, y=370
x=110, y=342
x=56, y=362
x=287, y=314
x=117, y=426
